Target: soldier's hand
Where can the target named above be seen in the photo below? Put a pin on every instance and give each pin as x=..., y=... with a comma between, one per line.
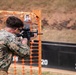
x=24, y=41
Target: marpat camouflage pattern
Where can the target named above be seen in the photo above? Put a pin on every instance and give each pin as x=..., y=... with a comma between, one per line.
x=9, y=44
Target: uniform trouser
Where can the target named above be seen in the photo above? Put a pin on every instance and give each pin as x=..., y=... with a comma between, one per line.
x=3, y=72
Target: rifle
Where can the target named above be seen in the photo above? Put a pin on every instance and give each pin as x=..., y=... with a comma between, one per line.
x=26, y=33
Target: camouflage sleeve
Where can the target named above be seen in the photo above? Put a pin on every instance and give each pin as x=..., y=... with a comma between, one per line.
x=16, y=46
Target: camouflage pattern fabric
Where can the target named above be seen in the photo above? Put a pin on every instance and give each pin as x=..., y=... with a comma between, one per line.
x=10, y=44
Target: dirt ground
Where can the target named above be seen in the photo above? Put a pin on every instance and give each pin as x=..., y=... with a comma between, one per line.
x=60, y=27
x=45, y=71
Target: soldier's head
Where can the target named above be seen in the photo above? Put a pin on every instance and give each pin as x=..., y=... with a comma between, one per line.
x=15, y=24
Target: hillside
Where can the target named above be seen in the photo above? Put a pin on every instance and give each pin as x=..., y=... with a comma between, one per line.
x=47, y=6
x=58, y=17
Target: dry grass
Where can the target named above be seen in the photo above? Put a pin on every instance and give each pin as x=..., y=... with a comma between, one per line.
x=46, y=5
x=45, y=71
x=67, y=36
x=52, y=10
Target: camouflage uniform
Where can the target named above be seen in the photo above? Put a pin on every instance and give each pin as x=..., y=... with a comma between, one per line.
x=3, y=72
x=9, y=44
